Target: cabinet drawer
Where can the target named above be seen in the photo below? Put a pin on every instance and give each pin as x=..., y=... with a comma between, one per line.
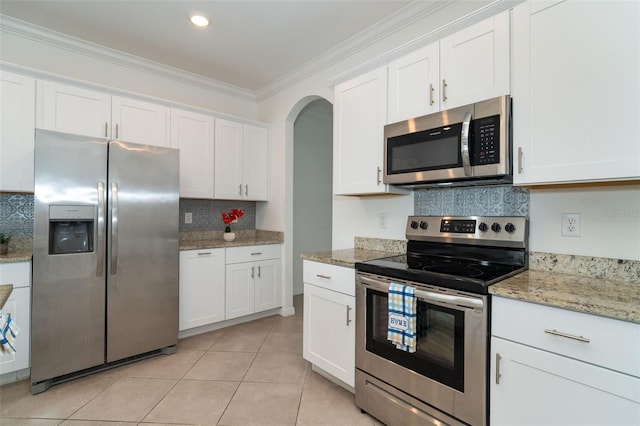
x=18, y=274
x=598, y=340
x=332, y=277
x=253, y=253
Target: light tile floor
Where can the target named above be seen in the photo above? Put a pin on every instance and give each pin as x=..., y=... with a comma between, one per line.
x=249, y=374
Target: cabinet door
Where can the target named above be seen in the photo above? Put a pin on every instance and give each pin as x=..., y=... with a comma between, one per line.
x=192, y=133
x=255, y=163
x=474, y=63
x=414, y=88
x=228, y=160
x=267, y=285
x=140, y=122
x=240, y=295
x=202, y=287
x=72, y=109
x=17, y=124
x=19, y=307
x=576, y=91
x=534, y=387
x=329, y=332
x=359, y=115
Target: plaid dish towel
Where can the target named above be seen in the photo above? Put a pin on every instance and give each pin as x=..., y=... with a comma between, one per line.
x=8, y=333
x=401, y=328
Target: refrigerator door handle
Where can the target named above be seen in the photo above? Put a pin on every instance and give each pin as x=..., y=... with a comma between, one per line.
x=114, y=228
x=101, y=224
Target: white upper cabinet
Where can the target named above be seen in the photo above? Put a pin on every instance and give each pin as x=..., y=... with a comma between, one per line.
x=193, y=134
x=17, y=124
x=140, y=122
x=359, y=116
x=474, y=63
x=80, y=111
x=468, y=66
x=414, y=84
x=576, y=91
x=73, y=110
x=241, y=159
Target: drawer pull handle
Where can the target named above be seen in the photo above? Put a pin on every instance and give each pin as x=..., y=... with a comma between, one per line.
x=498, y=375
x=568, y=336
x=207, y=253
x=256, y=253
x=348, y=316
x=326, y=277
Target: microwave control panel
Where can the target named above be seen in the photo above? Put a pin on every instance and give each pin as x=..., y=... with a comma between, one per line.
x=487, y=140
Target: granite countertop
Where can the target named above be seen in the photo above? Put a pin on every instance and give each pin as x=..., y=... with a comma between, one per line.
x=16, y=256
x=599, y=296
x=213, y=239
x=5, y=292
x=346, y=257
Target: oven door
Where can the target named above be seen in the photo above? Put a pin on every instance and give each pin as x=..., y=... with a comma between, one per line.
x=448, y=370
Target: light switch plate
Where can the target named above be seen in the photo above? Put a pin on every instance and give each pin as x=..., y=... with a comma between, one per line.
x=188, y=217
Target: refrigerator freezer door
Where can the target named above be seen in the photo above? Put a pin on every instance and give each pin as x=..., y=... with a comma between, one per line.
x=68, y=305
x=143, y=253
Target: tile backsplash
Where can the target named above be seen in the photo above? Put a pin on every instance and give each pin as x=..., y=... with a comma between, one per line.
x=501, y=200
x=206, y=214
x=16, y=214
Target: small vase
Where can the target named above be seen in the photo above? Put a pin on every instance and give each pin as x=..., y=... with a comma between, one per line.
x=229, y=236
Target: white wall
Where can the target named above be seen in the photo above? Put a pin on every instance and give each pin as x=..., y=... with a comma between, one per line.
x=609, y=221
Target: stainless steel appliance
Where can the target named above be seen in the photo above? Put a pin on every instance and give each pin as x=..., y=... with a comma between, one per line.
x=450, y=263
x=467, y=145
x=105, y=254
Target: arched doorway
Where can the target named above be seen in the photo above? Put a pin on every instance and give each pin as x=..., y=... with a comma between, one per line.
x=312, y=190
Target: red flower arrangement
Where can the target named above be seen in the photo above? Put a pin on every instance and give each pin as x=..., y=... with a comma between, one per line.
x=231, y=216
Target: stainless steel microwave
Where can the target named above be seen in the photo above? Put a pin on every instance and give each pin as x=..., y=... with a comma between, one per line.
x=467, y=145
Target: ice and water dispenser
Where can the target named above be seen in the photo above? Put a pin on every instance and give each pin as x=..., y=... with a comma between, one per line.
x=71, y=229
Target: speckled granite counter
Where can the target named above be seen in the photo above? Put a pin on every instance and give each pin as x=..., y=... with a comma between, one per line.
x=5, y=292
x=599, y=296
x=213, y=239
x=16, y=256
x=346, y=257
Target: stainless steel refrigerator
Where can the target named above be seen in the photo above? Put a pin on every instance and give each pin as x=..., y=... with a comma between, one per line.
x=106, y=255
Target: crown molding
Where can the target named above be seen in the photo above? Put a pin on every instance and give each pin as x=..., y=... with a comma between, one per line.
x=390, y=25
x=39, y=34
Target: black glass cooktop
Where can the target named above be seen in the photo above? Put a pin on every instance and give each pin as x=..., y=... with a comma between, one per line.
x=470, y=275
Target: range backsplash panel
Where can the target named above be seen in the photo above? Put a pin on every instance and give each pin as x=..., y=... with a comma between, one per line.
x=500, y=200
x=16, y=214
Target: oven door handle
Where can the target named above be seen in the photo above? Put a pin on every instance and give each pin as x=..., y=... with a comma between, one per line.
x=457, y=300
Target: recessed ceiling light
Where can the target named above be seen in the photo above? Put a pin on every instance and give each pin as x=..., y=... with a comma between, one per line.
x=199, y=20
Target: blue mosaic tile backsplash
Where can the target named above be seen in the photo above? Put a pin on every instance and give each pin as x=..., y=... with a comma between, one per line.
x=502, y=200
x=16, y=214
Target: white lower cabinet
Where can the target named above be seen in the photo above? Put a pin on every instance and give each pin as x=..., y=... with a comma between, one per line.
x=558, y=367
x=19, y=307
x=202, y=287
x=252, y=280
x=329, y=319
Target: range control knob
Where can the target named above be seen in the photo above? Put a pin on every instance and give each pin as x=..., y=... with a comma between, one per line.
x=414, y=224
x=483, y=227
x=495, y=227
x=423, y=224
x=509, y=227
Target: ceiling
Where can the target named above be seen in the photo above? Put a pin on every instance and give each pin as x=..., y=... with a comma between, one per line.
x=248, y=44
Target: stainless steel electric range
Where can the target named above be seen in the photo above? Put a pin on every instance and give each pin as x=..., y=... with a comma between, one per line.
x=450, y=263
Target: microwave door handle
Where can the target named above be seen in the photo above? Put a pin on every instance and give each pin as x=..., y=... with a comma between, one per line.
x=464, y=144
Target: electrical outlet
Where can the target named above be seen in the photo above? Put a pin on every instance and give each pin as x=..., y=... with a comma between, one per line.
x=570, y=224
x=188, y=217
x=382, y=220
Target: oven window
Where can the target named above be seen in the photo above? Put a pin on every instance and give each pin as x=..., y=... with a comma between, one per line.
x=440, y=340
x=425, y=150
